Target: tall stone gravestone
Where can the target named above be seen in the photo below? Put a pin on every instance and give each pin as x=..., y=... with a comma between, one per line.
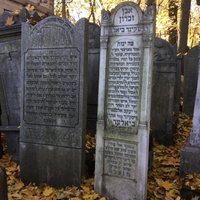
x=124, y=102
x=10, y=51
x=53, y=113
x=93, y=75
x=190, y=160
x=190, y=80
x=164, y=90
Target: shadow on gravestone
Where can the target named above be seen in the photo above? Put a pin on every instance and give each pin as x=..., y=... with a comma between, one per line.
x=190, y=80
x=3, y=184
x=53, y=114
x=164, y=90
x=123, y=125
x=93, y=76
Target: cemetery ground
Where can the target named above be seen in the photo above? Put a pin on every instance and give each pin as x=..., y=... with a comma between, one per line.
x=164, y=181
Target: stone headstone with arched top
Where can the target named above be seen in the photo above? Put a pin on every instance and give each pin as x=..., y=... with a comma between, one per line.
x=53, y=114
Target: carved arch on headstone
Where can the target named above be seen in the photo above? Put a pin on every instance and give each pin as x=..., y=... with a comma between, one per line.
x=129, y=7
x=163, y=51
x=94, y=36
x=50, y=28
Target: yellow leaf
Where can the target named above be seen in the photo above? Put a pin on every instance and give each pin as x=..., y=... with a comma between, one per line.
x=190, y=176
x=19, y=185
x=195, y=198
x=165, y=184
x=48, y=191
x=17, y=196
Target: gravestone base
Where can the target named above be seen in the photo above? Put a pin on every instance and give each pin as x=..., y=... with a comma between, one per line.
x=12, y=140
x=126, y=189
x=56, y=166
x=190, y=160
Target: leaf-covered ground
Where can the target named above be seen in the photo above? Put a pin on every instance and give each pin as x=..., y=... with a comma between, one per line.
x=163, y=183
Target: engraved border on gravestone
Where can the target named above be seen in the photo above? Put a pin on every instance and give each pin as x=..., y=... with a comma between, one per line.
x=123, y=93
x=52, y=80
x=120, y=158
x=59, y=25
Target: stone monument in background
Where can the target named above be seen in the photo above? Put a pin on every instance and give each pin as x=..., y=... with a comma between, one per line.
x=10, y=67
x=93, y=75
x=123, y=124
x=53, y=114
x=164, y=90
x=190, y=80
x=190, y=160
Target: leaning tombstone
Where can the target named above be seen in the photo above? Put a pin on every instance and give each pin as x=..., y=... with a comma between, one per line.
x=3, y=184
x=93, y=75
x=53, y=114
x=164, y=90
x=124, y=102
x=190, y=160
x=190, y=80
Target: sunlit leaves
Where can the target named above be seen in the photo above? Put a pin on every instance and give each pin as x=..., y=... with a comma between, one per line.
x=164, y=181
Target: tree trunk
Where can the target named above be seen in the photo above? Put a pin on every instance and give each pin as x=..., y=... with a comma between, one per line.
x=173, y=34
x=63, y=9
x=183, y=26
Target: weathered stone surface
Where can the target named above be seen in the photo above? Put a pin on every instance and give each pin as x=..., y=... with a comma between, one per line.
x=190, y=161
x=3, y=184
x=163, y=118
x=93, y=76
x=10, y=51
x=10, y=59
x=190, y=80
x=54, y=106
x=123, y=124
x=195, y=135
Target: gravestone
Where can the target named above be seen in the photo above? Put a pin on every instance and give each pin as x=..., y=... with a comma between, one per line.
x=3, y=184
x=190, y=80
x=164, y=89
x=122, y=140
x=93, y=76
x=53, y=114
x=10, y=59
x=190, y=160
x=10, y=51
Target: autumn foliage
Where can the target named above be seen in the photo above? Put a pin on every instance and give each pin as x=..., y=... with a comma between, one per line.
x=164, y=182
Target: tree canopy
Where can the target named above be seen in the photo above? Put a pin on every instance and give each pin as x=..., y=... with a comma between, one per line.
x=169, y=18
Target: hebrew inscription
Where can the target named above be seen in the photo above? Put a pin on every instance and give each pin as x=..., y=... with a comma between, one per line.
x=123, y=84
x=52, y=87
x=126, y=15
x=120, y=159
